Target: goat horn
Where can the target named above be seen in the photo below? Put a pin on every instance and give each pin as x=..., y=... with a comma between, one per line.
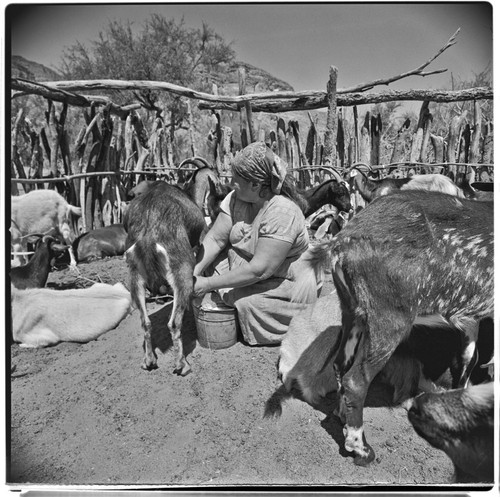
x=48, y=237
x=191, y=160
x=337, y=175
x=40, y=235
x=359, y=166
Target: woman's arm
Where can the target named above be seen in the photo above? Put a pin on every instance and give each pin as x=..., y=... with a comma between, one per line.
x=269, y=255
x=213, y=243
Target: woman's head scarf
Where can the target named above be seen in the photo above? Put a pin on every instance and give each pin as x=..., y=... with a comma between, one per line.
x=258, y=163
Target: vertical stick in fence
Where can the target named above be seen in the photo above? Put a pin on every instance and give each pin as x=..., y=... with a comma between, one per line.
x=426, y=123
x=330, y=149
x=251, y=132
x=364, y=141
x=281, y=139
x=475, y=155
x=356, y=134
x=375, y=133
x=243, y=116
x=454, y=142
x=341, y=139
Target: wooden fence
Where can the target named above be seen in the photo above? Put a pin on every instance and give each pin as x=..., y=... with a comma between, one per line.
x=115, y=149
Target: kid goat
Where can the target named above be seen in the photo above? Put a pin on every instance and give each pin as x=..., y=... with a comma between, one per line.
x=163, y=227
x=41, y=211
x=406, y=255
x=35, y=273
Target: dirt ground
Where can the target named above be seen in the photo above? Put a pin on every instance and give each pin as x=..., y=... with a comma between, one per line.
x=88, y=414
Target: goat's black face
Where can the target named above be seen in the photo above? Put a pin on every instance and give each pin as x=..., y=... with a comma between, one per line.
x=342, y=197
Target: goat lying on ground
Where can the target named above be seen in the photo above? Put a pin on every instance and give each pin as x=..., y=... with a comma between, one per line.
x=370, y=189
x=405, y=255
x=41, y=211
x=164, y=226
x=101, y=242
x=34, y=274
x=461, y=423
x=42, y=317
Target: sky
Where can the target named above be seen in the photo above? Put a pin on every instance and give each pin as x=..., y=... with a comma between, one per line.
x=295, y=42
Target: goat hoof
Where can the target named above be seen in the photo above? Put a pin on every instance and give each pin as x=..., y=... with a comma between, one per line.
x=183, y=371
x=364, y=460
x=149, y=366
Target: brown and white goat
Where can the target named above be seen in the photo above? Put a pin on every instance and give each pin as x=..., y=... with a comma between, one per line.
x=41, y=211
x=460, y=423
x=43, y=317
x=406, y=255
x=163, y=226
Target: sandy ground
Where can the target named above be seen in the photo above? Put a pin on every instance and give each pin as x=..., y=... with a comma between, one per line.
x=88, y=414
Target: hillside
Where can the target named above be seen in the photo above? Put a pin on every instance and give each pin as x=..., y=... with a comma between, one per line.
x=226, y=80
x=28, y=69
x=257, y=81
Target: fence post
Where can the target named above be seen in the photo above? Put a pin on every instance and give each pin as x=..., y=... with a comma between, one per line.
x=453, y=142
x=16, y=160
x=375, y=132
x=398, y=152
x=364, y=141
x=330, y=149
x=475, y=154
x=426, y=124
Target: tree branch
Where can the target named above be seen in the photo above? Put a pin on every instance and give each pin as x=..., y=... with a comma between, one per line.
x=418, y=71
x=351, y=99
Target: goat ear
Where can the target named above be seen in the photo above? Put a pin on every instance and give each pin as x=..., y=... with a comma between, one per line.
x=212, y=187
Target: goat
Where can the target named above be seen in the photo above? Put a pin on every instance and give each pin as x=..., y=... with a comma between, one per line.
x=34, y=274
x=163, y=226
x=330, y=192
x=206, y=191
x=405, y=255
x=43, y=317
x=461, y=423
x=141, y=188
x=101, y=242
x=203, y=187
x=370, y=189
x=41, y=211
x=416, y=364
x=476, y=193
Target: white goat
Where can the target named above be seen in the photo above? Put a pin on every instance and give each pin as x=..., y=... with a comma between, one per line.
x=43, y=212
x=42, y=317
x=370, y=189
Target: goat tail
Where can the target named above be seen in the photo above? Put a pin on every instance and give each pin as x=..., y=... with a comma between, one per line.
x=77, y=211
x=308, y=271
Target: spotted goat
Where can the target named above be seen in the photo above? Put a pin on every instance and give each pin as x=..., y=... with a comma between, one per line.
x=410, y=257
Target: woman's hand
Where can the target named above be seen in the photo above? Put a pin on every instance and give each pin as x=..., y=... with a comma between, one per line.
x=201, y=286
